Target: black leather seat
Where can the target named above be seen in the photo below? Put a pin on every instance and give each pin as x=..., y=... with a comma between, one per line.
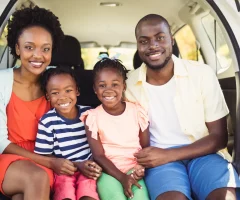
x=69, y=54
x=228, y=86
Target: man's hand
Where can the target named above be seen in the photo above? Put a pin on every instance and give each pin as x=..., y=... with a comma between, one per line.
x=89, y=169
x=63, y=166
x=152, y=156
x=127, y=181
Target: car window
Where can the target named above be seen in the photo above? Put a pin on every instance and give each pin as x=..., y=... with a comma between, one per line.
x=3, y=43
x=218, y=42
x=90, y=55
x=187, y=44
x=124, y=54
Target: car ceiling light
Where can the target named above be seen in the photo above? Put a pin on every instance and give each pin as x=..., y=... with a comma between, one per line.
x=110, y=4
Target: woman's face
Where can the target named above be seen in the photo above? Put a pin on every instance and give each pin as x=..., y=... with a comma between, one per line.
x=34, y=46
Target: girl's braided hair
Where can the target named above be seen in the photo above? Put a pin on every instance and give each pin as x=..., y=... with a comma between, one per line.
x=110, y=63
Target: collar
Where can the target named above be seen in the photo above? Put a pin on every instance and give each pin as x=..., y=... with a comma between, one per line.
x=180, y=70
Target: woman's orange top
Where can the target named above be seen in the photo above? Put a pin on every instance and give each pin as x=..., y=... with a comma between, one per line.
x=23, y=117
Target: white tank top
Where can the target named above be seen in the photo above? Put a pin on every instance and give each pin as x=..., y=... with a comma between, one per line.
x=165, y=130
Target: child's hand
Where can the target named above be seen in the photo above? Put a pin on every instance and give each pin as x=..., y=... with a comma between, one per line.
x=138, y=172
x=127, y=182
x=63, y=166
x=89, y=169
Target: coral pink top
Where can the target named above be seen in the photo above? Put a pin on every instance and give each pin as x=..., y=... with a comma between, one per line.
x=22, y=126
x=119, y=135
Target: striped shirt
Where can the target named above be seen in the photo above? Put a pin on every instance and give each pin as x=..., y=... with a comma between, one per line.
x=62, y=137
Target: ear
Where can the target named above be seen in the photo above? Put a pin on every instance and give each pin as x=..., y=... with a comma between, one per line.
x=173, y=41
x=17, y=49
x=124, y=87
x=47, y=97
x=94, y=90
x=78, y=92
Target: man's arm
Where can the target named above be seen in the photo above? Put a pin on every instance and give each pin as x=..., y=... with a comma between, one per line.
x=216, y=140
x=215, y=111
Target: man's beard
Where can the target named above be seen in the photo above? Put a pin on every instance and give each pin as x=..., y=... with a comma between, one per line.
x=159, y=67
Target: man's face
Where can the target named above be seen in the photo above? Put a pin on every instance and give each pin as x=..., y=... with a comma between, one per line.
x=154, y=43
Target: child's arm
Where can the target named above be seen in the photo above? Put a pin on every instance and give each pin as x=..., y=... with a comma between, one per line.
x=144, y=138
x=44, y=146
x=62, y=166
x=99, y=156
x=139, y=170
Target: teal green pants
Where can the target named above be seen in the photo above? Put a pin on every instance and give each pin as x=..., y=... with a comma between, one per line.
x=110, y=188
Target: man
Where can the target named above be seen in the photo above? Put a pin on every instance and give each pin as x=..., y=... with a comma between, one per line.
x=187, y=114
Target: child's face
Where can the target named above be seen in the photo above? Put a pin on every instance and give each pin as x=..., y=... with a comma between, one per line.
x=62, y=92
x=109, y=86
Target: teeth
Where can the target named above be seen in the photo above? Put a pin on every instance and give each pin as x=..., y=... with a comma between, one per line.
x=64, y=105
x=155, y=55
x=36, y=63
x=109, y=98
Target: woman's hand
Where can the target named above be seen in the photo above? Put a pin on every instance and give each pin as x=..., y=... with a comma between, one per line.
x=89, y=169
x=138, y=172
x=127, y=181
x=63, y=166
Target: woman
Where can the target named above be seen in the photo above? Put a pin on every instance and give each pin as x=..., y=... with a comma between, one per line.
x=32, y=35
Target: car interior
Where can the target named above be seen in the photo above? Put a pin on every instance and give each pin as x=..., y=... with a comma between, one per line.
x=200, y=29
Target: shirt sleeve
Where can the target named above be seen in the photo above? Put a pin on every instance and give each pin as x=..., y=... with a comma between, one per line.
x=45, y=139
x=90, y=119
x=215, y=106
x=142, y=116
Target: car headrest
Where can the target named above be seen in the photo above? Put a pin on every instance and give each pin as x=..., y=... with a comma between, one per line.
x=69, y=54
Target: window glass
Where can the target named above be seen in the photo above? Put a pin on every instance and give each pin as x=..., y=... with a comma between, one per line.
x=218, y=42
x=188, y=47
x=3, y=42
x=90, y=55
x=123, y=54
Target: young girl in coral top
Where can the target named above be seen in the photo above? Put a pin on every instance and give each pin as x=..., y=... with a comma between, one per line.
x=116, y=130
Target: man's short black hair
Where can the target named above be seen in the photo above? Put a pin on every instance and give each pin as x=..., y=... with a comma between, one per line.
x=152, y=17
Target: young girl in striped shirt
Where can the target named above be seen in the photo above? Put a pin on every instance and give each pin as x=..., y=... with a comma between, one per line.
x=61, y=134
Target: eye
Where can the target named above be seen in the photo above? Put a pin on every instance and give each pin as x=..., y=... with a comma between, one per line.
x=69, y=90
x=160, y=38
x=46, y=49
x=28, y=47
x=102, y=86
x=115, y=84
x=54, y=93
x=143, y=41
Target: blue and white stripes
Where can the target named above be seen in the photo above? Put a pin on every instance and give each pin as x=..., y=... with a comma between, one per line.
x=63, y=137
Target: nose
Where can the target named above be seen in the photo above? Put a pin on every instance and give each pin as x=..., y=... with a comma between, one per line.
x=153, y=44
x=37, y=53
x=108, y=90
x=62, y=95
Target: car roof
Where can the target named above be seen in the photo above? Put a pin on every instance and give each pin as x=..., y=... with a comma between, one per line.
x=88, y=21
